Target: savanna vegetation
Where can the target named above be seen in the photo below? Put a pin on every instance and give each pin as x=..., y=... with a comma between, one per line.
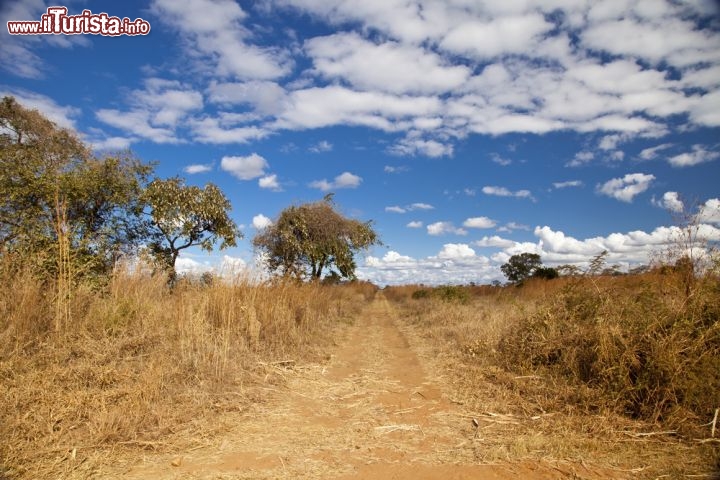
x=103, y=346
x=624, y=369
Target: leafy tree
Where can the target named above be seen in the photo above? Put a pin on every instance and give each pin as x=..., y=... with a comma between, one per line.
x=521, y=266
x=52, y=186
x=309, y=238
x=185, y=216
x=547, y=273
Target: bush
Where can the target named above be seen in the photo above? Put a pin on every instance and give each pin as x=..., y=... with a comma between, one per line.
x=646, y=350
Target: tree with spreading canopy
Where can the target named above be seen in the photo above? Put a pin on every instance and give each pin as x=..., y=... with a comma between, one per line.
x=309, y=238
x=525, y=265
x=184, y=216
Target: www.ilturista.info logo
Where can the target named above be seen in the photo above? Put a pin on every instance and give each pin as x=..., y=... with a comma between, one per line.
x=57, y=22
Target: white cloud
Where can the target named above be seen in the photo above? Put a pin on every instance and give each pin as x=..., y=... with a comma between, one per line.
x=317, y=107
x=214, y=34
x=652, y=152
x=581, y=158
x=671, y=201
x=388, y=67
x=456, y=250
x=220, y=131
x=198, y=168
x=698, y=155
x=260, y=221
x=400, y=169
x=420, y=206
x=418, y=146
x=500, y=36
x=479, y=222
x=444, y=228
x=567, y=184
x=344, y=180
x=270, y=182
x=265, y=97
x=500, y=160
x=627, y=187
x=494, y=241
x=245, y=168
x=415, y=224
x=232, y=265
x=110, y=143
x=513, y=226
x=710, y=212
x=322, y=146
x=395, y=209
x=137, y=123
x=504, y=192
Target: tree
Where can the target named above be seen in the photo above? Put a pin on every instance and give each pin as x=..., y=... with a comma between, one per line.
x=309, y=238
x=521, y=266
x=547, y=273
x=184, y=216
x=53, y=190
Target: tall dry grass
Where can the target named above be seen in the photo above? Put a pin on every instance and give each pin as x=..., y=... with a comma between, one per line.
x=624, y=371
x=141, y=366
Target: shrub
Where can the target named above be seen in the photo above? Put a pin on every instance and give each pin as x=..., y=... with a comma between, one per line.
x=645, y=349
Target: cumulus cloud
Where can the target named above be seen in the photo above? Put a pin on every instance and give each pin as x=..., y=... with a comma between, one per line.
x=494, y=241
x=627, y=187
x=456, y=250
x=479, y=222
x=270, y=182
x=415, y=224
x=698, y=155
x=260, y=221
x=245, y=168
x=709, y=212
x=444, y=228
x=344, y=180
x=197, y=168
x=671, y=201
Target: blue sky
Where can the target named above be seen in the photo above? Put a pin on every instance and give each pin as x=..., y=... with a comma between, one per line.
x=468, y=131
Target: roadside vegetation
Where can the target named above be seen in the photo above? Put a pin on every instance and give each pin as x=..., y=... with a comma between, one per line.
x=620, y=369
x=103, y=345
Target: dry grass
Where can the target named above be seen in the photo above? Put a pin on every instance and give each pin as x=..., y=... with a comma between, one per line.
x=140, y=366
x=529, y=409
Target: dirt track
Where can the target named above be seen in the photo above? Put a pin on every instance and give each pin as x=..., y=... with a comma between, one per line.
x=376, y=410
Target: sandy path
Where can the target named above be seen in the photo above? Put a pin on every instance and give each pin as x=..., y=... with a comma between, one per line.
x=375, y=411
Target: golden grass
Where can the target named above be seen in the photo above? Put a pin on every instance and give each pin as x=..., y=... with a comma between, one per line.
x=536, y=411
x=141, y=366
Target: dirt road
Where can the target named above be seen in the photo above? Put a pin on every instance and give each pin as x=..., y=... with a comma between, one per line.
x=376, y=410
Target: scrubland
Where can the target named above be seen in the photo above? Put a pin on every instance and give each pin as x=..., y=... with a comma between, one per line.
x=136, y=365
x=623, y=371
